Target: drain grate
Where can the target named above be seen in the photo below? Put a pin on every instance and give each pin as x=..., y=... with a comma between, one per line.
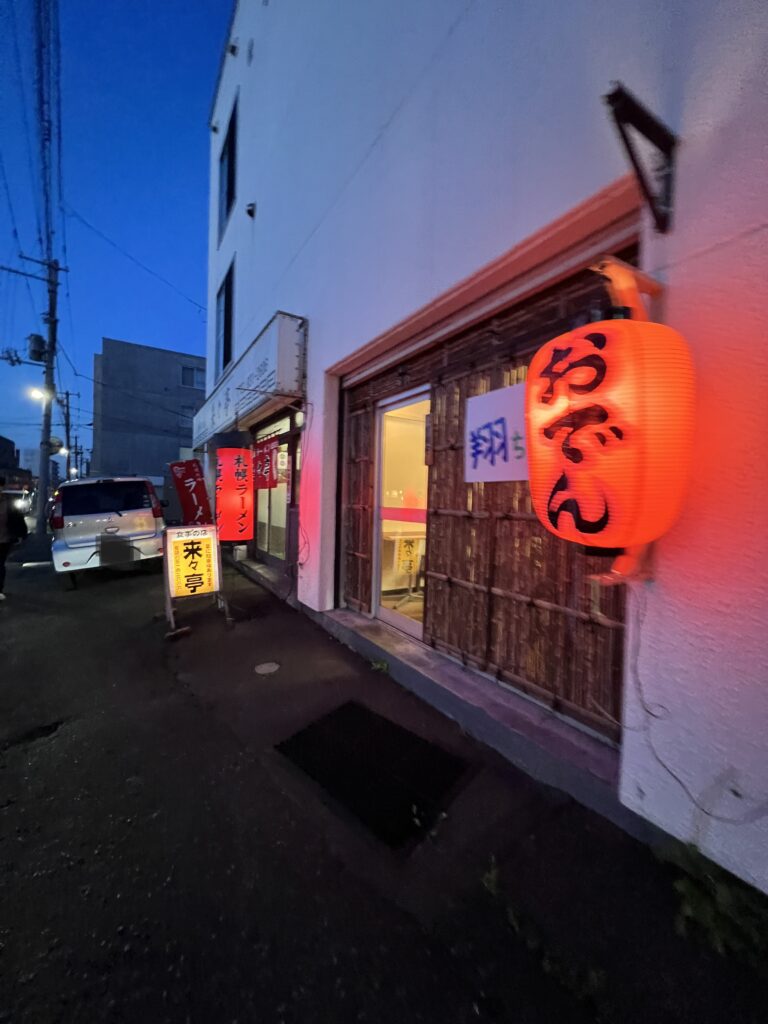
x=394, y=782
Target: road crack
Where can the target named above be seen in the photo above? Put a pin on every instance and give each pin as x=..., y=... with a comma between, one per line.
x=37, y=732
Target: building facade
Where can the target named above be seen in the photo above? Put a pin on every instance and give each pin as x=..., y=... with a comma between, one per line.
x=425, y=187
x=30, y=457
x=16, y=476
x=9, y=454
x=144, y=403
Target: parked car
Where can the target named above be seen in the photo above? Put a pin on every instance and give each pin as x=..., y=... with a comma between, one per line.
x=21, y=500
x=105, y=522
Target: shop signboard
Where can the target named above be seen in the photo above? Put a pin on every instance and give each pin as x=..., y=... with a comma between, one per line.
x=190, y=487
x=270, y=368
x=191, y=561
x=234, y=494
x=494, y=436
x=266, y=459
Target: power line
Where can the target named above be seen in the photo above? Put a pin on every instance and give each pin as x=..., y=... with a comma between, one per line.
x=113, y=422
x=58, y=135
x=56, y=97
x=116, y=387
x=91, y=227
x=67, y=295
x=126, y=391
x=71, y=364
x=44, y=112
x=8, y=302
x=25, y=118
x=14, y=225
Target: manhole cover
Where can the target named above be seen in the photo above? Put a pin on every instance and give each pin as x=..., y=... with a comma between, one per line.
x=394, y=782
x=266, y=668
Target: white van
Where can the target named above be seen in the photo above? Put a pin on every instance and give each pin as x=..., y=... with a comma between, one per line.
x=103, y=522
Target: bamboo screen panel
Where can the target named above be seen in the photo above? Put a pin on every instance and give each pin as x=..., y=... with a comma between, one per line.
x=502, y=593
x=357, y=533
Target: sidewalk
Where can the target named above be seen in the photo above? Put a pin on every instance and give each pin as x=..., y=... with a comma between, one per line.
x=514, y=878
x=34, y=549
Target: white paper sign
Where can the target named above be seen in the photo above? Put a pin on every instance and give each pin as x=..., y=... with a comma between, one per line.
x=494, y=436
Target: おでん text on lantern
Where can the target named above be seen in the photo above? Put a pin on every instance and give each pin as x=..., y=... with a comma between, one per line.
x=610, y=420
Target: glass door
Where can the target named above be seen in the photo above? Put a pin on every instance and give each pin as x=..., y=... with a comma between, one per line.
x=272, y=538
x=401, y=520
x=272, y=508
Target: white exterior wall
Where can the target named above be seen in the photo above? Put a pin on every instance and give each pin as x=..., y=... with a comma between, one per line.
x=395, y=146
x=704, y=649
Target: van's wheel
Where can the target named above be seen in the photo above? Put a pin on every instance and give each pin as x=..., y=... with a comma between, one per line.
x=68, y=580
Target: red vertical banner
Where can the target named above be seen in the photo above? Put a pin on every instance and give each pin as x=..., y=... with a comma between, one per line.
x=234, y=494
x=190, y=487
x=265, y=463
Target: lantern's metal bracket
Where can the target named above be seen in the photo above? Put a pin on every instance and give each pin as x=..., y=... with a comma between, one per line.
x=635, y=565
x=626, y=283
x=628, y=112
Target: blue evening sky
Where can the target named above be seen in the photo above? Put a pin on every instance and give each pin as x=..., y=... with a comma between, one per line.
x=137, y=82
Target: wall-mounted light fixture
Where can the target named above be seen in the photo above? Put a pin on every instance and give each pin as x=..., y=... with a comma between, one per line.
x=656, y=184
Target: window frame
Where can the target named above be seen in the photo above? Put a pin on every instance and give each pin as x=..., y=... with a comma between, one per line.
x=198, y=372
x=225, y=297
x=227, y=191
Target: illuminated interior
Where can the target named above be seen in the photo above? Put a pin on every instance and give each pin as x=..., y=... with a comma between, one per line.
x=403, y=514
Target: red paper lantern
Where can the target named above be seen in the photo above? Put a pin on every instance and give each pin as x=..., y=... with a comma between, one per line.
x=234, y=494
x=610, y=421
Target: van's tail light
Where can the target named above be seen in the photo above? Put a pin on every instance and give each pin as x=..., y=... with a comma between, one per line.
x=57, y=519
x=157, y=508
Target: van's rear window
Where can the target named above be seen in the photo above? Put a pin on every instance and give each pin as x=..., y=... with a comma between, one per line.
x=108, y=496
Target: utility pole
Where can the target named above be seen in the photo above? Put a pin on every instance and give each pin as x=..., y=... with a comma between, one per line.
x=65, y=403
x=78, y=451
x=49, y=389
x=48, y=98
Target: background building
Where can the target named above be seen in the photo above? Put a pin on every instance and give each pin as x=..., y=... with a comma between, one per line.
x=144, y=399
x=30, y=459
x=9, y=454
x=15, y=474
x=426, y=185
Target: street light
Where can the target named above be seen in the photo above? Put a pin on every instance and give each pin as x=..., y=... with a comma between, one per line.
x=38, y=394
x=63, y=451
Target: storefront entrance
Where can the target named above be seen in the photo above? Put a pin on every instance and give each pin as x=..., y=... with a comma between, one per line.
x=401, y=513
x=466, y=567
x=275, y=541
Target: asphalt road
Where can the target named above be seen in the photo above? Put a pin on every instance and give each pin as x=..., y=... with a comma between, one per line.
x=152, y=869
